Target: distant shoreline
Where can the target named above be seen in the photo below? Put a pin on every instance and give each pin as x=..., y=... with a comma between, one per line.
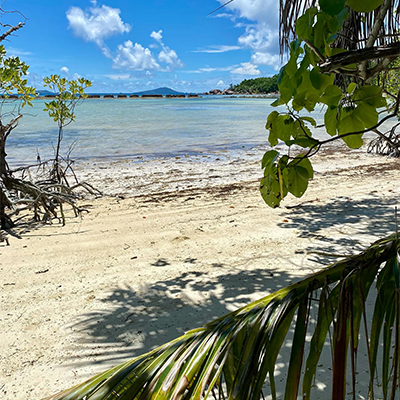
x=190, y=96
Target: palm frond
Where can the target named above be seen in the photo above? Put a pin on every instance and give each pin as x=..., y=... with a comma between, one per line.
x=234, y=356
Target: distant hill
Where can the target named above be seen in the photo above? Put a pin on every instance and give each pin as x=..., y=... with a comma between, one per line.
x=44, y=92
x=162, y=90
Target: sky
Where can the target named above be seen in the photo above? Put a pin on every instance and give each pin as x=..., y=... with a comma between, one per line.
x=127, y=46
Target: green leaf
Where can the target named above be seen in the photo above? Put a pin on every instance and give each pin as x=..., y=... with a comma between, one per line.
x=331, y=95
x=273, y=187
x=367, y=114
x=364, y=5
x=302, y=142
x=332, y=7
x=300, y=171
x=371, y=95
x=310, y=120
x=269, y=158
x=305, y=23
x=352, y=86
x=351, y=123
x=330, y=119
x=321, y=31
x=286, y=87
x=321, y=81
x=336, y=22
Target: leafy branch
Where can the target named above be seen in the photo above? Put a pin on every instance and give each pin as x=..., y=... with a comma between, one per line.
x=319, y=72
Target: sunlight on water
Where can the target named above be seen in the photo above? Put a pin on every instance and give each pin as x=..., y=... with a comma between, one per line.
x=119, y=128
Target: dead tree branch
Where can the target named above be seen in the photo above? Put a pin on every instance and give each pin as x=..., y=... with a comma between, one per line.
x=11, y=31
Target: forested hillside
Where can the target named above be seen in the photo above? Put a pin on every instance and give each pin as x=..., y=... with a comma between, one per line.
x=257, y=85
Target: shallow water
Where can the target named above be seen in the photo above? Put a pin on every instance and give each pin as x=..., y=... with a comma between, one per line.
x=129, y=128
x=113, y=129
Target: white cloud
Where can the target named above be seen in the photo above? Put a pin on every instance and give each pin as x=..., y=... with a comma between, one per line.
x=13, y=52
x=97, y=23
x=260, y=36
x=266, y=11
x=166, y=55
x=221, y=83
x=170, y=57
x=64, y=70
x=76, y=76
x=135, y=57
x=246, y=69
x=273, y=60
x=218, y=49
x=156, y=35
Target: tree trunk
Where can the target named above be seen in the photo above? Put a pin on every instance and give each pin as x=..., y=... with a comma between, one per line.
x=57, y=171
x=3, y=172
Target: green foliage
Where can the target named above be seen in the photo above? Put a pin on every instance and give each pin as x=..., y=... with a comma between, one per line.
x=303, y=84
x=257, y=85
x=13, y=80
x=68, y=94
x=364, y=6
x=234, y=357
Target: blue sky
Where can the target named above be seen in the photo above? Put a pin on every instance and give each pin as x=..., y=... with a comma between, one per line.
x=127, y=46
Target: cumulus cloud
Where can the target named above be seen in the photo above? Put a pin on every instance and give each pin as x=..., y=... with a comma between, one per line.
x=99, y=23
x=246, y=69
x=273, y=60
x=170, y=57
x=166, y=55
x=261, y=35
x=134, y=57
x=156, y=35
x=260, y=38
x=64, y=70
x=96, y=23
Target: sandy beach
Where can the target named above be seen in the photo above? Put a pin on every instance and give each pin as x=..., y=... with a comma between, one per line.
x=172, y=244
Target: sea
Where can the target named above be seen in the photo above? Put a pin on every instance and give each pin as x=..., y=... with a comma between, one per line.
x=113, y=129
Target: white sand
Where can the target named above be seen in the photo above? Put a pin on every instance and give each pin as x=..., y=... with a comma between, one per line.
x=181, y=242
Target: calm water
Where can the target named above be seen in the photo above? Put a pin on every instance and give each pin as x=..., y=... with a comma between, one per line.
x=120, y=128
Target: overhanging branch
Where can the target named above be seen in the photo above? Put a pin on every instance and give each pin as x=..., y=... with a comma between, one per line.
x=341, y=60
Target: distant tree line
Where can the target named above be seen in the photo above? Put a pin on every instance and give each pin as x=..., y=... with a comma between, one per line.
x=257, y=85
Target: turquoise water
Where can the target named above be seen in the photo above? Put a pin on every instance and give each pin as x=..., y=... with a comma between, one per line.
x=132, y=128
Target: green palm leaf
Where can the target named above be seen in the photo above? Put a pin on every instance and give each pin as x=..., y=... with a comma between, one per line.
x=234, y=357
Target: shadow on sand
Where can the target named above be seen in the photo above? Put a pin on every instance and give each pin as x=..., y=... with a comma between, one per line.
x=131, y=322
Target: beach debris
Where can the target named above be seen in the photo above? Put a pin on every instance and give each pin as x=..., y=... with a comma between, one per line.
x=161, y=262
x=42, y=271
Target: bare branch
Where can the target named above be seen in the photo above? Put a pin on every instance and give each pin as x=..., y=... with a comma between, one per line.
x=223, y=5
x=11, y=30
